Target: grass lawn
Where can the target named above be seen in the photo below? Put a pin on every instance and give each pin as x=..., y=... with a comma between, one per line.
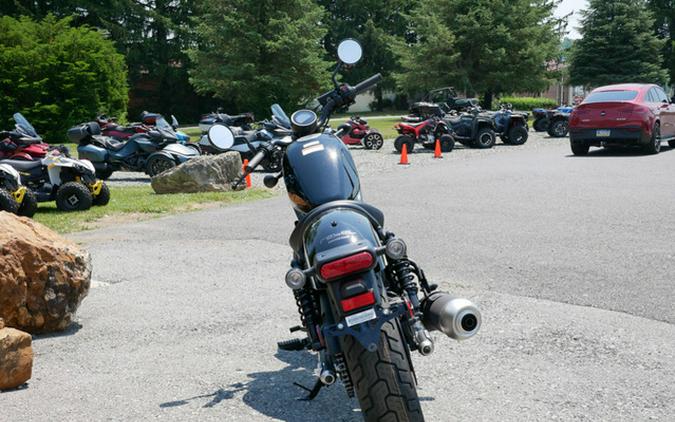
x=134, y=203
x=385, y=126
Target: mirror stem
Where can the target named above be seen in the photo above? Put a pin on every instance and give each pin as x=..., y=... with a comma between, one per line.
x=335, y=72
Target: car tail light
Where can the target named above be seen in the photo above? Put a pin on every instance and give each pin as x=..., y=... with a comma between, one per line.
x=347, y=265
x=358, y=302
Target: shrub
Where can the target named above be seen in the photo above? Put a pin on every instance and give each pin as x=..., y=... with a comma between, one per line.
x=528, y=103
x=57, y=75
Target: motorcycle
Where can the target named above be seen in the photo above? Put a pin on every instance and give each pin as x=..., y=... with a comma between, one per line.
x=555, y=121
x=361, y=134
x=149, y=120
x=71, y=183
x=152, y=152
x=23, y=143
x=357, y=291
x=243, y=121
x=511, y=127
x=426, y=132
x=14, y=197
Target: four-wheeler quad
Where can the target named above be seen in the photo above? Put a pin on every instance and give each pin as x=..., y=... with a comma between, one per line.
x=14, y=197
x=71, y=183
x=555, y=121
x=425, y=132
x=442, y=100
x=23, y=143
x=152, y=152
x=511, y=127
x=361, y=134
x=473, y=128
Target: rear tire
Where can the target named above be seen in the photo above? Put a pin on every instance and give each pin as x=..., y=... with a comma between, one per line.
x=447, y=143
x=541, y=125
x=671, y=144
x=73, y=196
x=485, y=138
x=159, y=164
x=103, y=197
x=654, y=145
x=384, y=380
x=518, y=135
x=579, y=149
x=7, y=202
x=29, y=205
x=376, y=140
x=558, y=128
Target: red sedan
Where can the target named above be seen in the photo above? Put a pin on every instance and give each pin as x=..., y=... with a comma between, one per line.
x=623, y=115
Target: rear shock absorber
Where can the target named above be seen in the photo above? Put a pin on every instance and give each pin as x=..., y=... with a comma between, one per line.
x=307, y=310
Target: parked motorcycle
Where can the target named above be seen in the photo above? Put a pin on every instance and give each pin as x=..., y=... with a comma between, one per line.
x=23, y=143
x=14, y=197
x=148, y=121
x=361, y=134
x=425, y=132
x=152, y=152
x=71, y=183
x=357, y=291
x=510, y=126
x=243, y=121
x=554, y=121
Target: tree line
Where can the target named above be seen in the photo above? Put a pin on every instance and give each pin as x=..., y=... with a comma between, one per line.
x=187, y=56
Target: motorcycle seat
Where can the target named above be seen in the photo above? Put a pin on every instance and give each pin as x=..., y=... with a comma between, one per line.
x=22, y=165
x=415, y=124
x=375, y=216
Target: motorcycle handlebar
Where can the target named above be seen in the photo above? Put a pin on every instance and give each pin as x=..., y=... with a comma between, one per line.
x=255, y=161
x=367, y=84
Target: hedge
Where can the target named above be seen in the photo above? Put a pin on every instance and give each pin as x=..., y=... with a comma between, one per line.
x=57, y=75
x=529, y=103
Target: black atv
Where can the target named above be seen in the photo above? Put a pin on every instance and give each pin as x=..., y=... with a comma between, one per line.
x=474, y=128
x=511, y=127
x=441, y=101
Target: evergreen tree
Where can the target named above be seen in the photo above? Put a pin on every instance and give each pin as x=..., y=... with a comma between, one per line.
x=664, y=14
x=617, y=45
x=252, y=54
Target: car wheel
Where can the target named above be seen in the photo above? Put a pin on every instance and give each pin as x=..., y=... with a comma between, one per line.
x=7, y=202
x=159, y=164
x=579, y=149
x=654, y=145
x=73, y=196
x=518, y=135
x=558, y=129
x=29, y=205
x=401, y=140
x=485, y=138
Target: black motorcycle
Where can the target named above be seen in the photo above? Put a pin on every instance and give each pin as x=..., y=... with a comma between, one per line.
x=152, y=152
x=243, y=121
x=357, y=291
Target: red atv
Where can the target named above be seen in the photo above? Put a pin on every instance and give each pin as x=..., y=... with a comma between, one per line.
x=425, y=132
x=23, y=143
x=361, y=134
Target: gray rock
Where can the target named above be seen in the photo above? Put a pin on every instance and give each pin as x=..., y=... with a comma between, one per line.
x=208, y=173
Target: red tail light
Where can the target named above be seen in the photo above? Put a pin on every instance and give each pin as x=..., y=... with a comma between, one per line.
x=347, y=265
x=357, y=302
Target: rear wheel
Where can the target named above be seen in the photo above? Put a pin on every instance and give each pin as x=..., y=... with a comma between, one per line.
x=73, y=196
x=384, y=380
x=447, y=143
x=671, y=144
x=654, y=145
x=541, y=125
x=579, y=149
x=7, y=202
x=159, y=164
x=375, y=140
x=103, y=196
x=517, y=135
x=29, y=205
x=485, y=138
x=558, y=128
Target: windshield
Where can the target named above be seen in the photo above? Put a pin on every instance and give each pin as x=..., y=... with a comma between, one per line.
x=22, y=123
x=162, y=124
x=279, y=113
x=610, y=96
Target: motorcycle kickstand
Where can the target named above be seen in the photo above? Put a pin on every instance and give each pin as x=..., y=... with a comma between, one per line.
x=313, y=392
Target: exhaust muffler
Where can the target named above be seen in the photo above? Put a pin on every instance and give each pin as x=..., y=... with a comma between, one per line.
x=455, y=317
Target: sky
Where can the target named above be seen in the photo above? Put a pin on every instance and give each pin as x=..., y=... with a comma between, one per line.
x=575, y=6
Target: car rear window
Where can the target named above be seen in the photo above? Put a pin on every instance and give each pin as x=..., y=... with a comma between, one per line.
x=610, y=96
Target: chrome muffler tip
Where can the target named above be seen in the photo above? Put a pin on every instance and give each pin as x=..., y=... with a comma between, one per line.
x=327, y=377
x=457, y=318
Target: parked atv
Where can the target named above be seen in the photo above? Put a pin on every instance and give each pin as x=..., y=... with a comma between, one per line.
x=425, y=132
x=442, y=100
x=23, y=143
x=152, y=152
x=361, y=134
x=14, y=197
x=243, y=121
x=473, y=128
x=511, y=127
x=555, y=121
x=71, y=183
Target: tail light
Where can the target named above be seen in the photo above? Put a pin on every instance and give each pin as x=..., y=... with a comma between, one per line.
x=347, y=265
x=358, y=302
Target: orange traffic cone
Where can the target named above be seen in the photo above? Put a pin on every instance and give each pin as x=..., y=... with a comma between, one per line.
x=248, y=176
x=437, y=150
x=404, y=155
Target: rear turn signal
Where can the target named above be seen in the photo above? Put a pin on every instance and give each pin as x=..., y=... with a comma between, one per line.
x=347, y=265
x=357, y=302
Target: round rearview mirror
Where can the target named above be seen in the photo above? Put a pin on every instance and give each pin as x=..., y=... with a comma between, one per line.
x=221, y=137
x=349, y=51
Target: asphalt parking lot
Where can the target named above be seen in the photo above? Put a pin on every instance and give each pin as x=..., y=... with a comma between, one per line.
x=571, y=259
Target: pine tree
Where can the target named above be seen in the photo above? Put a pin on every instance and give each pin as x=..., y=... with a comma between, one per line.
x=617, y=45
x=664, y=14
x=253, y=53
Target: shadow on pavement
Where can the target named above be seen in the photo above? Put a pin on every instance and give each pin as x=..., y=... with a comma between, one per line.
x=72, y=329
x=620, y=152
x=273, y=394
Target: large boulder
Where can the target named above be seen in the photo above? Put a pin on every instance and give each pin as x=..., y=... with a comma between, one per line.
x=43, y=277
x=16, y=357
x=207, y=173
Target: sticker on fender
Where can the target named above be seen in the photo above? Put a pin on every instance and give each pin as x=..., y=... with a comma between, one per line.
x=361, y=317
